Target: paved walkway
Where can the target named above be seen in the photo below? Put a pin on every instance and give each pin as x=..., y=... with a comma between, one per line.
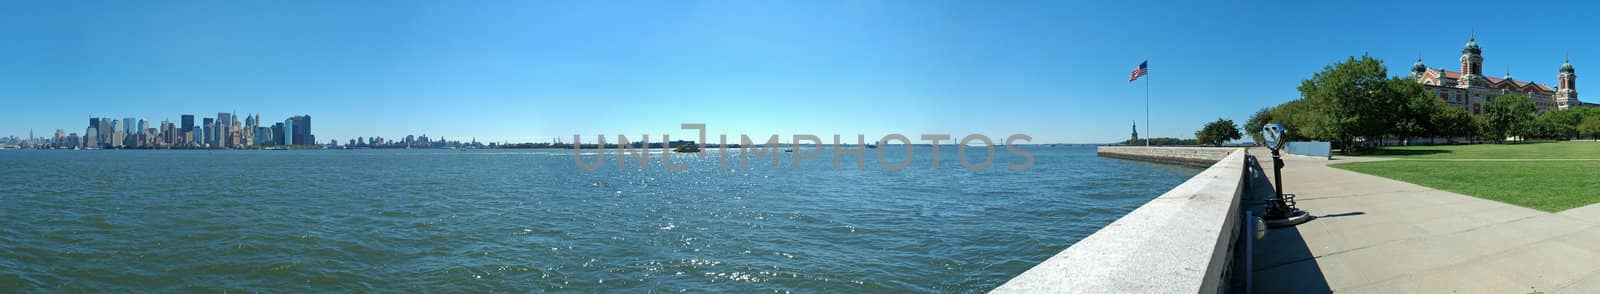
x=1376, y=235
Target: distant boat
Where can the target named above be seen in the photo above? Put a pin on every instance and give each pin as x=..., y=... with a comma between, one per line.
x=687, y=148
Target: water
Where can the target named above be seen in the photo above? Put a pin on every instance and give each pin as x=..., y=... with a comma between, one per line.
x=530, y=220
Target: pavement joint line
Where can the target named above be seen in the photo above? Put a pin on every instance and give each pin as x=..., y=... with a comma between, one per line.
x=1592, y=274
x=1337, y=196
x=1470, y=260
x=1397, y=240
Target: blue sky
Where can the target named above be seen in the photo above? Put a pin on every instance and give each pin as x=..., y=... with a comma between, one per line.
x=532, y=70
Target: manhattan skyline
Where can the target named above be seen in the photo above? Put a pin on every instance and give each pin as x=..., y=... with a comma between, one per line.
x=529, y=72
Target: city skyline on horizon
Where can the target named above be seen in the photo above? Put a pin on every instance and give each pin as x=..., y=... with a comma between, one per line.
x=530, y=72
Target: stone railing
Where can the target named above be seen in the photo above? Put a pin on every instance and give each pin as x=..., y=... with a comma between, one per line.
x=1194, y=156
x=1181, y=242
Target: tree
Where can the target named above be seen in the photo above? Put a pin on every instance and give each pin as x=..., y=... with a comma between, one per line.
x=1452, y=122
x=1590, y=127
x=1257, y=121
x=1218, y=132
x=1413, y=114
x=1351, y=99
x=1560, y=124
x=1507, y=115
x=1302, y=121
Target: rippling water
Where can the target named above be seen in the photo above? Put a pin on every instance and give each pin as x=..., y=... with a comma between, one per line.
x=521, y=220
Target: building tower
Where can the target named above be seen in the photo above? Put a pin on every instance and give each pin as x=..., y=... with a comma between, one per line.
x=1417, y=69
x=1472, y=65
x=1566, y=94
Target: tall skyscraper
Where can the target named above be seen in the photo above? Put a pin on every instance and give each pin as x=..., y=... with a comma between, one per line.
x=263, y=136
x=278, y=137
x=187, y=122
x=91, y=136
x=106, y=131
x=209, y=128
x=299, y=129
x=250, y=125
x=129, y=124
x=115, y=137
x=91, y=132
x=289, y=131
x=224, y=122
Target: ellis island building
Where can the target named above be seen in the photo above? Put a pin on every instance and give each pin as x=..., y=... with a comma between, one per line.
x=1469, y=88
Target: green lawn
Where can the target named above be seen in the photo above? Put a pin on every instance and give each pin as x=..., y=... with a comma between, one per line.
x=1545, y=185
x=1555, y=150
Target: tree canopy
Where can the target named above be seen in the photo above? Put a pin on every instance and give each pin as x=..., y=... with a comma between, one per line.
x=1256, y=122
x=1355, y=104
x=1218, y=132
x=1507, y=115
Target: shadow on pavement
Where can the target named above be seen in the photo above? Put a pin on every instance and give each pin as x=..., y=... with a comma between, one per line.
x=1284, y=264
x=1353, y=213
x=1281, y=262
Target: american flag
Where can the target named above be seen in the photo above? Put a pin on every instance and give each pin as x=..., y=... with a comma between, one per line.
x=1140, y=71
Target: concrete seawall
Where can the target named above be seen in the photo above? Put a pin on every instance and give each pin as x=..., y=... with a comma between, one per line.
x=1192, y=156
x=1181, y=242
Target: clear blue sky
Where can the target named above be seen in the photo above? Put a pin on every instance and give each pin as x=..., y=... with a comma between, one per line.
x=531, y=70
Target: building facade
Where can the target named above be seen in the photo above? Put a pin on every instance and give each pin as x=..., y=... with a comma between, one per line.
x=1470, y=89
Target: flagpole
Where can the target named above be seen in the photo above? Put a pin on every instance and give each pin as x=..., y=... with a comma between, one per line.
x=1147, y=133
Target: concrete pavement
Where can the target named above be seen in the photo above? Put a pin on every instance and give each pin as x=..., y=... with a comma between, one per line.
x=1376, y=235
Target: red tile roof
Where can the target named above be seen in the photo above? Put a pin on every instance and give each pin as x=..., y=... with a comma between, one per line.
x=1492, y=80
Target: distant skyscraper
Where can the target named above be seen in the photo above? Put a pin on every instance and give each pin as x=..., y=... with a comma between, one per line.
x=288, y=129
x=263, y=136
x=91, y=136
x=187, y=122
x=250, y=125
x=106, y=131
x=208, y=126
x=128, y=125
x=278, y=137
x=116, y=132
x=224, y=123
x=298, y=130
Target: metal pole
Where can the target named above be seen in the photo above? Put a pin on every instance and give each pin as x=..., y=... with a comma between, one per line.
x=1281, y=209
x=1249, y=250
x=1277, y=176
x=1147, y=133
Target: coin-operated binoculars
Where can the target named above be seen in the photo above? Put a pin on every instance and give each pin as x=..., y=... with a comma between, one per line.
x=1280, y=211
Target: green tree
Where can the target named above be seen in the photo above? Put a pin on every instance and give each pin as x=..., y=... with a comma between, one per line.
x=1590, y=127
x=1507, y=115
x=1302, y=121
x=1556, y=124
x=1452, y=122
x=1413, y=113
x=1218, y=132
x=1256, y=122
x=1352, y=99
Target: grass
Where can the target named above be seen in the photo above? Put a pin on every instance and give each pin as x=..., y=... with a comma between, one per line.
x=1551, y=150
x=1531, y=175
